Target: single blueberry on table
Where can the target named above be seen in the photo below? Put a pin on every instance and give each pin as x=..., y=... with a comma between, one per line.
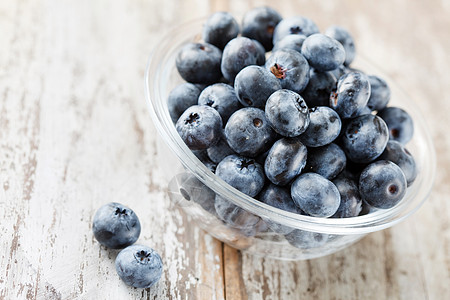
x=279, y=197
x=219, y=29
x=139, y=266
x=382, y=184
x=259, y=24
x=239, y=53
x=400, y=156
x=323, y=53
x=351, y=202
x=294, y=25
x=116, y=226
x=219, y=151
x=291, y=69
x=324, y=127
x=291, y=41
x=345, y=38
x=181, y=98
x=287, y=113
x=248, y=132
x=315, y=195
x=327, y=161
x=352, y=94
x=319, y=88
x=380, y=93
x=222, y=98
x=303, y=239
x=364, y=138
x=199, y=63
x=200, y=127
x=254, y=85
x=285, y=161
x=242, y=173
x=399, y=122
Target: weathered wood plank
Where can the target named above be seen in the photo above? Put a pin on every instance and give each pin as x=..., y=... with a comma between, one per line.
x=75, y=133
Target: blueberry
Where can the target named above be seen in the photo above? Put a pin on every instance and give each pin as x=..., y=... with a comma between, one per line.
x=210, y=165
x=239, y=53
x=219, y=29
x=345, y=38
x=364, y=138
x=139, y=266
x=367, y=208
x=353, y=170
x=280, y=198
x=380, y=93
x=290, y=67
x=291, y=41
x=202, y=155
x=192, y=189
x=222, y=98
x=327, y=161
x=399, y=122
x=306, y=239
x=341, y=70
x=235, y=216
x=287, y=113
x=364, y=111
x=324, y=127
x=200, y=127
x=315, y=195
x=182, y=97
x=116, y=226
x=261, y=158
x=285, y=161
x=351, y=202
x=259, y=24
x=322, y=52
x=260, y=53
x=352, y=94
x=254, y=84
x=400, y=156
x=319, y=88
x=382, y=184
x=199, y=63
x=248, y=132
x=219, y=151
x=244, y=174
x=294, y=25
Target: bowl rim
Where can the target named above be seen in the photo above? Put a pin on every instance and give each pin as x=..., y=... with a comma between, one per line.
x=375, y=221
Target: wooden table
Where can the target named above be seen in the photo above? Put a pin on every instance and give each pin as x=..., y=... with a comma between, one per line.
x=75, y=133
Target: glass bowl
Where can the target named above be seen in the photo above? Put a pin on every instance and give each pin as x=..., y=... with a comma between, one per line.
x=272, y=232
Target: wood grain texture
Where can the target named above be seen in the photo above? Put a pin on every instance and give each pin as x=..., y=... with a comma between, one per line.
x=75, y=133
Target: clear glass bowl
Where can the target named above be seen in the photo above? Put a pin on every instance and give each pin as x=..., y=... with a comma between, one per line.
x=192, y=187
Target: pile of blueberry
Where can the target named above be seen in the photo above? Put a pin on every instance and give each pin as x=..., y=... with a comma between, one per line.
x=300, y=130
x=116, y=226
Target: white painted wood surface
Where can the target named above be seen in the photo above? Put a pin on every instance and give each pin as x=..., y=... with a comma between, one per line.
x=75, y=133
